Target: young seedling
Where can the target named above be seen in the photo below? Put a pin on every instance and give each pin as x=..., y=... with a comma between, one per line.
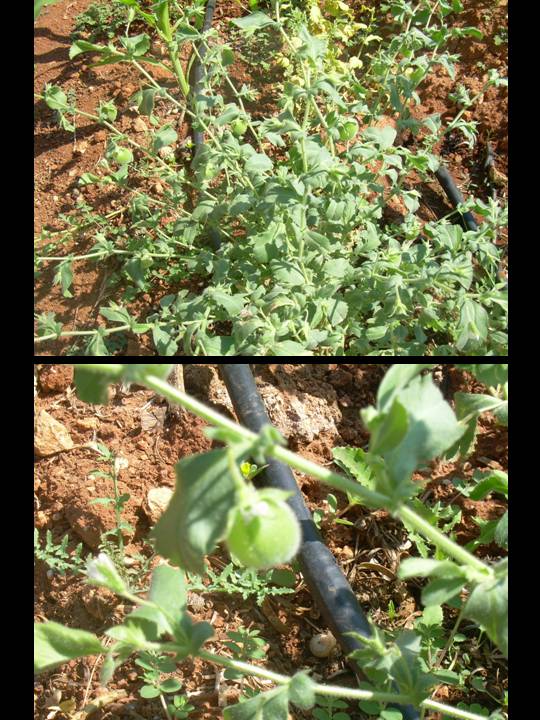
x=57, y=557
x=114, y=548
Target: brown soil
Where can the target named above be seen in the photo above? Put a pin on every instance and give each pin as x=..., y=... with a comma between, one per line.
x=317, y=408
x=60, y=157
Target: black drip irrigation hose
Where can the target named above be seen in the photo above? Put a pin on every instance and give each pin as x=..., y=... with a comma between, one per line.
x=456, y=198
x=323, y=576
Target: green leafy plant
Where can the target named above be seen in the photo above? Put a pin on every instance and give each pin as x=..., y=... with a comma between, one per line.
x=410, y=424
x=247, y=582
x=180, y=707
x=112, y=541
x=245, y=645
x=309, y=263
x=330, y=514
x=57, y=557
x=154, y=666
x=329, y=708
x=101, y=19
x=469, y=406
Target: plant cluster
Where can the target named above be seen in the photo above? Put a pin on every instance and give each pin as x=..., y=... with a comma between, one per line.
x=99, y=20
x=312, y=260
x=246, y=582
x=57, y=557
x=410, y=424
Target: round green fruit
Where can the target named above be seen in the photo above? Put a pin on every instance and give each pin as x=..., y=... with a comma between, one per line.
x=122, y=155
x=238, y=127
x=348, y=130
x=264, y=533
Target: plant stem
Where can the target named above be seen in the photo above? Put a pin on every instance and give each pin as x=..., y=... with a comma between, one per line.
x=451, y=548
x=165, y=708
x=334, y=690
x=450, y=640
x=117, y=510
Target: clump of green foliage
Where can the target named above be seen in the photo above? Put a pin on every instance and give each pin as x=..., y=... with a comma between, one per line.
x=57, y=557
x=100, y=20
x=323, y=250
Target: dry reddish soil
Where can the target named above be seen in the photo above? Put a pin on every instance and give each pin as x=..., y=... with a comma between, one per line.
x=61, y=157
x=317, y=409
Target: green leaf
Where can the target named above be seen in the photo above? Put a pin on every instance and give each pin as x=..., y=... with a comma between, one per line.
x=92, y=386
x=442, y=590
x=186, y=32
x=82, y=46
x=473, y=325
x=432, y=615
x=388, y=429
x=501, y=531
x=252, y=22
x=302, y=691
x=55, y=98
x=165, y=136
x=468, y=407
x=353, y=461
x=396, y=378
x=283, y=577
x=55, y=644
x=488, y=606
x=433, y=427
x=492, y=481
x=272, y=705
x=149, y=691
x=164, y=341
x=258, y=164
x=170, y=685
x=233, y=304
x=196, y=517
x=488, y=374
x=136, y=45
x=383, y=137
x=137, y=373
x=426, y=567
x=168, y=591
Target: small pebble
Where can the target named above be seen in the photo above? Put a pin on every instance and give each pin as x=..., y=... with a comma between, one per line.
x=322, y=644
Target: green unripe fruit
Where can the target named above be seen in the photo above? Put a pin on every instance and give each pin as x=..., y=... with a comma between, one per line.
x=238, y=127
x=264, y=533
x=348, y=130
x=122, y=155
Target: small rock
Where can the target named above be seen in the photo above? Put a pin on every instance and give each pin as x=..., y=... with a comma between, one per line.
x=157, y=501
x=80, y=147
x=347, y=552
x=158, y=187
x=165, y=152
x=139, y=125
x=50, y=436
x=322, y=645
x=41, y=519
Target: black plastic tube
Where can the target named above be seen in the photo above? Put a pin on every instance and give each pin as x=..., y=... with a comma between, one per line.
x=325, y=579
x=456, y=198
